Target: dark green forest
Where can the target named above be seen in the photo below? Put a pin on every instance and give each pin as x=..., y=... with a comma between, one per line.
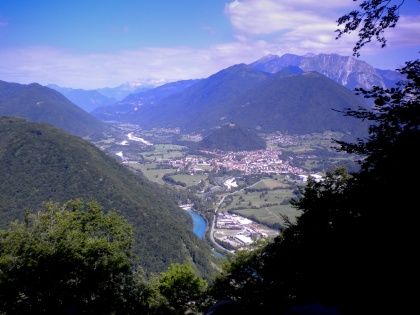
x=232, y=138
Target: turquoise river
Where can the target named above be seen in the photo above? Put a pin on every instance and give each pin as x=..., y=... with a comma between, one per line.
x=199, y=227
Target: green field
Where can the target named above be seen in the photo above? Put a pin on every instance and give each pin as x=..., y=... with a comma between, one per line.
x=164, y=151
x=268, y=203
x=270, y=214
x=189, y=180
x=154, y=175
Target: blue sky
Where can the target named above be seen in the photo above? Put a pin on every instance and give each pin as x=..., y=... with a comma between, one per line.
x=92, y=44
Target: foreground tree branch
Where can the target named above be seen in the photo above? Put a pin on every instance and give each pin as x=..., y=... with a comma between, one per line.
x=371, y=21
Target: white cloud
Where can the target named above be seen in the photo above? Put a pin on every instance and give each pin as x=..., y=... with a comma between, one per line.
x=290, y=26
x=301, y=26
x=253, y=17
x=67, y=68
x=406, y=32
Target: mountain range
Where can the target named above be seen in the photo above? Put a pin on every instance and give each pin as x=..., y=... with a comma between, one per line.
x=91, y=99
x=290, y=94
x=290, y=101
x=347, y=71
x=85, y=99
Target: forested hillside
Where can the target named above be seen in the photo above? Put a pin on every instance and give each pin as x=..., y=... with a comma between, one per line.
x=297, y=104
x=232, y=138
x=40, y=163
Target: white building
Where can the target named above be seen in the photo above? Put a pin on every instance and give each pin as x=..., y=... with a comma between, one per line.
x=304, y=178
x=245, y=240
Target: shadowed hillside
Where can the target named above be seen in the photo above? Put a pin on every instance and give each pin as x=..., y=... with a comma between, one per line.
x=297, y=104
x=42, y=104
x=41, y=163
x=204, y=102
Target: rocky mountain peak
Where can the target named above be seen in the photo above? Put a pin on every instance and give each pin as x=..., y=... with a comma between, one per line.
x=348, y=71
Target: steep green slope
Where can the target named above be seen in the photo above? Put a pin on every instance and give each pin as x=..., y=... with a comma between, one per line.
x=298, y=104
x=41, y=104
x=39, y=163
x=202, y=103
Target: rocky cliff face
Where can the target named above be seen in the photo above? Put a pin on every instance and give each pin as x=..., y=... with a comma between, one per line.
x=348, y=71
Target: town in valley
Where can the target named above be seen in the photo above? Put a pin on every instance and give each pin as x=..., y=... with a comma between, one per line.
x=248, y=192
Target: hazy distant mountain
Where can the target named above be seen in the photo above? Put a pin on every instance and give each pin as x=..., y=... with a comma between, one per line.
x=389, y=77
x=348, y=71
x=124, y=109
x=92, y=99
x=259, y=101
x=133, y=87
x=40, y=163
x=85, y=99
x=42, y=104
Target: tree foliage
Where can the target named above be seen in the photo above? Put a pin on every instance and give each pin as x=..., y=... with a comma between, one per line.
x=373, y=18
x=71, y=257
x=180, y=290
x=302, y=266
x=396, y=117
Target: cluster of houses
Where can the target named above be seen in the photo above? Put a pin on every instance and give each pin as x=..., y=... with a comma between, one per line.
x=251, y=162
x=255, y=162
